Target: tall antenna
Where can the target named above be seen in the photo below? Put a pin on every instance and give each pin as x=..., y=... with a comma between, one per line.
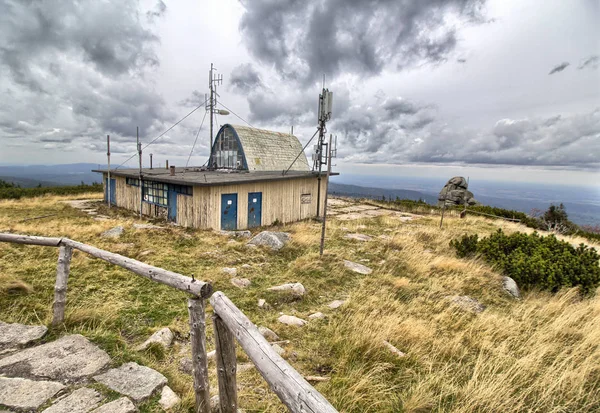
x=139, y=147
x=213, y=81
x=332, y=153
x=325, y=104
x=108, y=180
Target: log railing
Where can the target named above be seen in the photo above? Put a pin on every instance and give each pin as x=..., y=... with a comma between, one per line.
x=230, y=325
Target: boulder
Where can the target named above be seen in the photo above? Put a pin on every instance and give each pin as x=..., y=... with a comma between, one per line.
x=80, y=401
x=17, y=393
x=511, y=287
x=291, y=320
x=113, y=232
x=359, y=268
x=455, y=192
x=164, y=337
x=17, y=335
x=168, y=398
x=133, y=380
x=336, y=304
x=122, y=405
x=274, y=240
x=294, y=288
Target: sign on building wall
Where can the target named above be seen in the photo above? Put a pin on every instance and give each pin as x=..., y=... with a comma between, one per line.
x=305, y=198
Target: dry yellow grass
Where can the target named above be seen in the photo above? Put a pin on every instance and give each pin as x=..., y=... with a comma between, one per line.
x=540, y=354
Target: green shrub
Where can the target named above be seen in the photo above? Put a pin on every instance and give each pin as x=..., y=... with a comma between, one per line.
x=18, y=193
x=535, y=261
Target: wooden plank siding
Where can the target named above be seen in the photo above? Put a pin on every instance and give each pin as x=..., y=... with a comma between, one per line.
x=281, y=200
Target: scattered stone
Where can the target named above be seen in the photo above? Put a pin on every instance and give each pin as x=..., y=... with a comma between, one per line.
x=358, y=237
x=384, y=237
x=113, y=232
x=18, y=393
x=316, y=316
x=295, y=288
x=186, y=366
x=229, y=271
x=17, y=335
x=122, y=405
x=246, y=266
x=365, y=260
x=145, y=253
x=133, y=380
x=394, y=349
x=168, y=398
x=278, y=349
x=466, y=303
x=71, y=358
x=511, y=287
x=316, y=378
x=211, y=355
x=92, y=213
x=80, y=401
x=455, y=192
x=262, y=303
x=269, y=334
x=237, y=234
x=336, y=304
x=291, y=320
x=164, y=337
x=241, y=282
x=359, y=268
x=146, y=226
x=274, y=240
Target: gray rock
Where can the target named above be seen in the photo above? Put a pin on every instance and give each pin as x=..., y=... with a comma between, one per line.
x=168, y=398
x=230, y=271
x=186, y=366
x=294, y=288
x=291, y=320
x=511, y=287
x=122, y=405
x=164, y=337
x=80, y=401
x=133, y=380
x=455, y=192
x=18, y=393
x=358, y=237
x=113, y=232
x=466, y=303
x=237, y=234
x=274, y=240
x=316, y=316
x=241, y=282
x=336, y=304
x=278, y=349
x=267, y=333
x=262, y=303
x=69, y=359
x=359, y=268
x=17, y=335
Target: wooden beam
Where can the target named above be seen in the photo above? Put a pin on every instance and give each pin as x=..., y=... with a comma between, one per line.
x=226, y=366
x=291, y=388
x=29, y=239
x=199, y=359
x=172, y=279
x=60, y=288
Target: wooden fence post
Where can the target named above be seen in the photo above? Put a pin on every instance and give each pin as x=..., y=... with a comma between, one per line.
x=226, y=366
x=199, y=359
x=60, y=288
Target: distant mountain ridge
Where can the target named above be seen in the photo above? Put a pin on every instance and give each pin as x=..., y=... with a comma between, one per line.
x=68, y=174
x=356, y=191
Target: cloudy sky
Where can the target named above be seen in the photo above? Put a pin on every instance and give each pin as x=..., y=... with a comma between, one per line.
x=497, y=89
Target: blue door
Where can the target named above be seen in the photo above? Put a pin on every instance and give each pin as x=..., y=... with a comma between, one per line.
x=254, y=209
x=113, y=191
x=229, y=212
x=172, y=204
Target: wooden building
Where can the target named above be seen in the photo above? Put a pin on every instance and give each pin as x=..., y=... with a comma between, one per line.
x=243, y=187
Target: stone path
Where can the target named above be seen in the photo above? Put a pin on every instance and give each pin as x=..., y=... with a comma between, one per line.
x=85, y=205
x=346, y=210
x=55, y=376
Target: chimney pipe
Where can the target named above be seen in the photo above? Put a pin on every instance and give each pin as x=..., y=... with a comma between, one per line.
x=150, y=161
x=172, y=170
x=167, y=165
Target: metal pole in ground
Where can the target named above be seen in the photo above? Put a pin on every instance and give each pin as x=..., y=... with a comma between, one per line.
x=326, y=190
x=139, y=146
x=108, y=180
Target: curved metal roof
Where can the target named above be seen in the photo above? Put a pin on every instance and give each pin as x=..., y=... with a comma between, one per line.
x=266, y=150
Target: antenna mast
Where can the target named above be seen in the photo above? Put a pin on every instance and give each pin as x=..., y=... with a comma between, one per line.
x=325, y=103
x=213, y=81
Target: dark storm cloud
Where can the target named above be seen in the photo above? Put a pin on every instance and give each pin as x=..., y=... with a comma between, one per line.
x=305, y=39
x=591, y=62
x=559, y=68
x=560, y=141
x=75, y=71
x=245, y=78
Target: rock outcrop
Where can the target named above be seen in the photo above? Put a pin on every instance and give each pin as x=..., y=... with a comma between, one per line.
x=455, y=192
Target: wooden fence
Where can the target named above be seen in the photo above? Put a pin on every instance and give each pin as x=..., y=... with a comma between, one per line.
x=229, y=324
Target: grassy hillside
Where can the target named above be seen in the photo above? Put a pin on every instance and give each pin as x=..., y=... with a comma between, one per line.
x=538, y=354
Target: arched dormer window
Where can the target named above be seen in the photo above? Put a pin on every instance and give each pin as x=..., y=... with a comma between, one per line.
x=227, y=152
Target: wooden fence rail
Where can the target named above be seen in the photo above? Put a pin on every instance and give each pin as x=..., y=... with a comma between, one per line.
x=229, y=322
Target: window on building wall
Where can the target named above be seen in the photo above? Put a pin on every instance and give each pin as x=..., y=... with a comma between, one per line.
x=155, y=193
x=133, y=181
x=227, y=152
x=183, y=189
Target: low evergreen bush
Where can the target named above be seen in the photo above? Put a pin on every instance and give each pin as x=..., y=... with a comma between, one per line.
x=535, y=261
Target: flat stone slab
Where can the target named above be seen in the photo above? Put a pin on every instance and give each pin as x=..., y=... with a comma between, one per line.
x=122, y=405
x=356, y=267
x=358, y=237
x=18, y=393
x=133, y=380
x=113, y=232
x=69, y=359
x=80, y=401
x=17, y=335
